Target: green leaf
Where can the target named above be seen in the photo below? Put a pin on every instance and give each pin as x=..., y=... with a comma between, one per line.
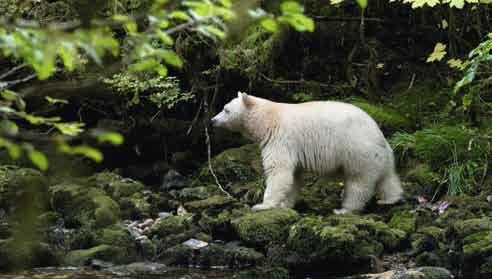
x=291, y=7
x=467, y=100
x=131, y=27
x=70, y=129
x=226, y=3
x=38, y=159
x=88, y=152
x=269, y=24
x=113, y=138
x=179, y=15
x=9, y=95
x=9, y=127
x=165, y=38
x=215, y=31
x=68, y=54
x=55, y=100
x=362, y=3
x=172, y=58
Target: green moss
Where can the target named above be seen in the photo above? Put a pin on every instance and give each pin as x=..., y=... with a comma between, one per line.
x=213, y=202
x=477, y=245
x=102, y=252
x=171, y=225
x=463, y=228
x=403, y=220
x=386, y=117
x=234, y=165
x=14, y=181
x=115, y=185
x=264, y=227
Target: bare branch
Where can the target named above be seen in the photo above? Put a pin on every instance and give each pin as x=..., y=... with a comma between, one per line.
x=13, y=70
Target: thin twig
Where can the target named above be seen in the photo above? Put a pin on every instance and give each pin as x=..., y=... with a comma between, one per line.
x=209, y=148
x=10, y=84
x=320, y=84
x=195, y=119
x=13, y=70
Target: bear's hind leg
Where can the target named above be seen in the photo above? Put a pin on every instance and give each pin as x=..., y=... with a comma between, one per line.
x=281, y=190
x=389, y=189
x=357, y=192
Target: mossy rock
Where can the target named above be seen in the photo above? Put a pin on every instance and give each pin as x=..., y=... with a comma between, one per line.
x=102, y=252
x=388, y=118
x=115, y=185
x=264, y=227
x=423, y=180
x=349, y=238
x=233, y=165
x=119, y=236
x=80, y=204
x=320, y=196
x=171, y=225
x=213, y=202
x=215, y=255
x=477, y=245
x=135, y=207
x=193, y=193
x=15, y=182
x=462, y=228
x=403, y=220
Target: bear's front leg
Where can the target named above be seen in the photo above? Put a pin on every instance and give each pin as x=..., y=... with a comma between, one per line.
x=281, y=190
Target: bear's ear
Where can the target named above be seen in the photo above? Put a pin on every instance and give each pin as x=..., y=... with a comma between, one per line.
x=247, y=100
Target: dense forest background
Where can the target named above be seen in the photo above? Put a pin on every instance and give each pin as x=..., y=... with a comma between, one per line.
x=105, y=108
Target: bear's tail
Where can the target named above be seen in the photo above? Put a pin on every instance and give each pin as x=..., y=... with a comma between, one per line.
x=389, y=189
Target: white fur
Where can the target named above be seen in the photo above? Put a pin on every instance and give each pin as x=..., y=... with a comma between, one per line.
x=329, y=138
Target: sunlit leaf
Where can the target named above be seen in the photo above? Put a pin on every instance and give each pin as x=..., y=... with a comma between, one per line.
x=9, y=127
x=38, y=159
x=70, y=129
x=455, y=63
x=9, y=95
x=291, y=7
x=113, y=138
x=362, y=3
x=438, y=53
x=172, y=58
x=55, y=100
x=269, y=24
x=180, y=15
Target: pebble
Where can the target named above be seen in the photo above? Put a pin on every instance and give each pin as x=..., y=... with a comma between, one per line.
x=164, y=215
x=195, y=243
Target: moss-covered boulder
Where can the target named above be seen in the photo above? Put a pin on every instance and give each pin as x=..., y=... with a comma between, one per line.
x=265, y=227
x=102, y=252
x=339, y=241
x=15, y=182
x=120, y=237
x=81, y=204
x=228, y=255
x=211, y=203
x=404, y=220
x=115, y=185
x=234, y=165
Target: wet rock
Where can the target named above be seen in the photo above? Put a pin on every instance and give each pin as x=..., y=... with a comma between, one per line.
x=139, y=269
x=215, y=255
x=416, y=273
x=264, y=272
x=261, y=228
x=173, y=180
x=170, y=225
x=195, y=243
x=147, y=248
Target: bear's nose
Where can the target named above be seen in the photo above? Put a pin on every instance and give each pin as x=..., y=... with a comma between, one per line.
x=213, y=121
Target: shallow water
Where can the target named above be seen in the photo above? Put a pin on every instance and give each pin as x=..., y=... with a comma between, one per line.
x=77, y=273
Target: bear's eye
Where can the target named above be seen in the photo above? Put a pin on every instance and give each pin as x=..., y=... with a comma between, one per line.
x=226, y=110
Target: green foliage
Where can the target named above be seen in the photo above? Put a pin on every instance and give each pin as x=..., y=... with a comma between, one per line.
x=158, y=90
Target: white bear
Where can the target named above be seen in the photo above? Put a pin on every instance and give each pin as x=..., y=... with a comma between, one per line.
x=328, y=138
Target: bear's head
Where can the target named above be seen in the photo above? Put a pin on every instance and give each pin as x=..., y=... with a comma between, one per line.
x=234, y=114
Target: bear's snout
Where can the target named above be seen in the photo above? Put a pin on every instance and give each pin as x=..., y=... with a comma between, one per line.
x=213, y=122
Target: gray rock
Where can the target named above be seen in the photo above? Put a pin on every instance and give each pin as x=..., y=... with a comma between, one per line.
x=139, y=269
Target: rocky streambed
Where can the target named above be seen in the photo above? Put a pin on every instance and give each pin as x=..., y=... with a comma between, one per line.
x=109, y=226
